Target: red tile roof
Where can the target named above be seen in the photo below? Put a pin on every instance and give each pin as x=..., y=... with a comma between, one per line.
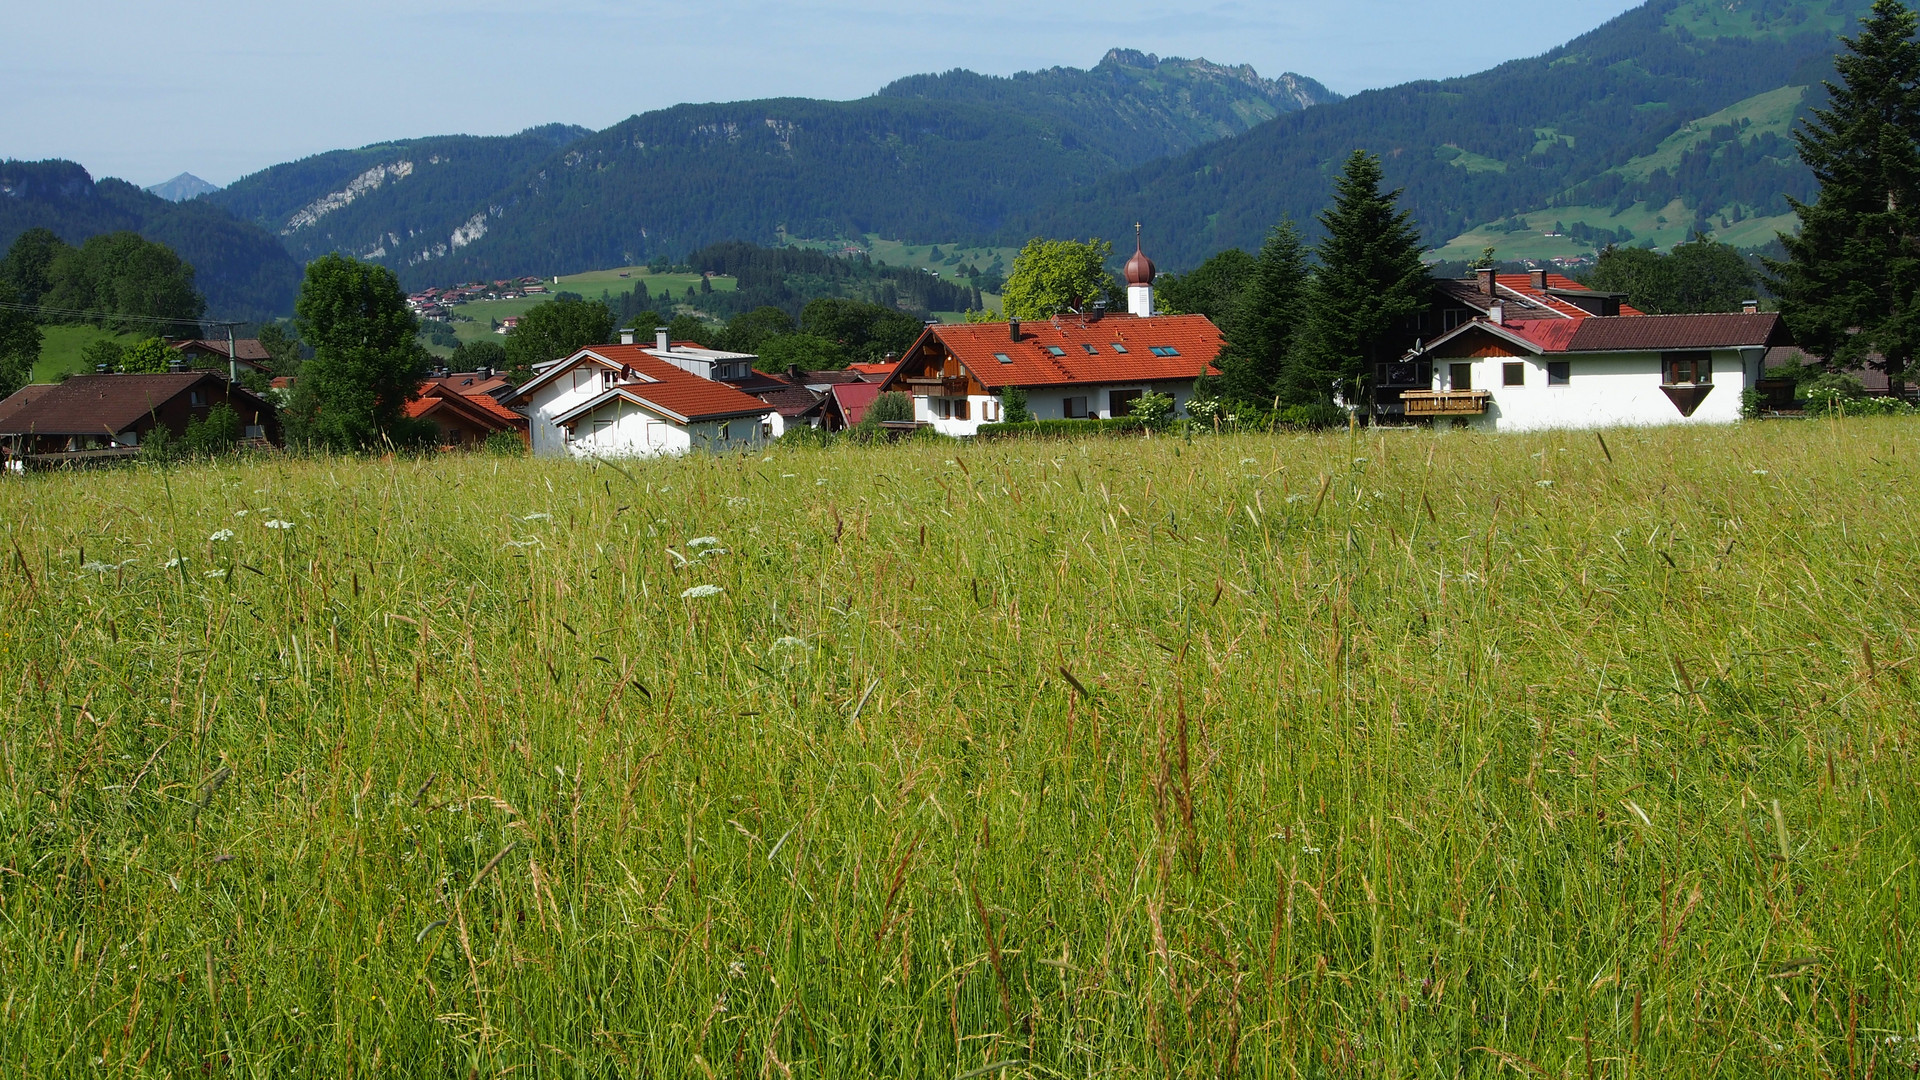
x=1088, y=350
x=1522, y=302
x=1665, y=332
x=854, y=399
x=679, y=393
x=876, y=372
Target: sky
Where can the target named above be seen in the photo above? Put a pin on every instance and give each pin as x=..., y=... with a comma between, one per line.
x=223, y=88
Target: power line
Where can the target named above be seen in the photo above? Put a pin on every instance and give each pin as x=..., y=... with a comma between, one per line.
x=109, y=316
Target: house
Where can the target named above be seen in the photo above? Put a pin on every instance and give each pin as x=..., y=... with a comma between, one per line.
x=623, y=401
x=847, y=404
x=1076, y=365
x=508, y=325
x=1511, y=299
x=465, y=410
x=1603, y=371
x=106, y=416
x=211, y=354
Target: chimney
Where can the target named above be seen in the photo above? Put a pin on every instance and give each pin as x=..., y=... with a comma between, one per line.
x=626, y=335
x=1487, y=276
x=1750, y=307
x=1099, y=309
x=1539, y=279
x=660, y=338
x=1498, y=315
x=1013, y=329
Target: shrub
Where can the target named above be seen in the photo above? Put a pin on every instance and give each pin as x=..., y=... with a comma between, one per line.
x=804, y=437
x=1151, y=409
x=505, y=444
x=890, y=408
x=1013, y=406
x=211, y=435
x=1061, y=429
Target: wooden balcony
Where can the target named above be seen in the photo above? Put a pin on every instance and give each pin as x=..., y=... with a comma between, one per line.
x=1446, y=402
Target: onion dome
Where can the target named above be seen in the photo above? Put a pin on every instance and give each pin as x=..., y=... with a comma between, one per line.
x=1140, y=269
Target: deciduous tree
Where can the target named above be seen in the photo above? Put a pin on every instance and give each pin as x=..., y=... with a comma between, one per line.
x=555, y=330
x=1700, y=276
x=367, y=363
x=19, y=343
x=1850, y=285
x=1051, y=276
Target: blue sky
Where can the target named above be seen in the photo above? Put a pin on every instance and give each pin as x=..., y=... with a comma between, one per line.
x=222, y=88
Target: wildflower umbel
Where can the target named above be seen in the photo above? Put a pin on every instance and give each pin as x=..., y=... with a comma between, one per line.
x=701, y=592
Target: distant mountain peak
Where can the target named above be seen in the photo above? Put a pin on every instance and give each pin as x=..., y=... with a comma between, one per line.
x=183, y=187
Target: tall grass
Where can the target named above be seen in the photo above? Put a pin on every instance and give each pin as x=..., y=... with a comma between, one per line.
x=1375, y=755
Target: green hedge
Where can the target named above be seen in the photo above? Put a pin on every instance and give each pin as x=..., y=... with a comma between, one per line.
x=1061, y=429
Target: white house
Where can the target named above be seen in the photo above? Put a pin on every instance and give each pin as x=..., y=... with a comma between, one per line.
x=623, y=401
x=1605, y=371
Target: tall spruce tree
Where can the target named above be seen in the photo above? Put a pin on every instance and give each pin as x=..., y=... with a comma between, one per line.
x=1370, y=282
x=1850, y=286
x=1261, y=323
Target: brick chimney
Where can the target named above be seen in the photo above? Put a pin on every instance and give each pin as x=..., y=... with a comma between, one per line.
x=1539, y=280
x=1488, y=277
x=1750, y=307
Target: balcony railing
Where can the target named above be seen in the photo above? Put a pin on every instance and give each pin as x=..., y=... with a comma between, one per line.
x=1446, y=402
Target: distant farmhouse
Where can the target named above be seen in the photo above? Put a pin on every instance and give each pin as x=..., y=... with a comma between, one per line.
x=101, y=417
x=627, y=400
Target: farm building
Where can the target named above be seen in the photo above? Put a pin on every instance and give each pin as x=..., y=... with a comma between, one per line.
x=1606, y=371
x=92, y=417
x=623, y=401
x=1077, y=365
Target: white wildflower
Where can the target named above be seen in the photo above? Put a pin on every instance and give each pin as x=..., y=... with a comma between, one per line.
x=240, y=513
x=221, y=536
x=215, y=574
x=704, y=552
x=790, y=643
x=1359, y=461
x=175, y=562
x=99, y=567
x=537, y=516
x=277, y=523
x=704, y=541
x=1759, y=472
x=1249, y=461
x=1543, y=483
x=1296, y=497
x=701, y=592
x=1309, y=850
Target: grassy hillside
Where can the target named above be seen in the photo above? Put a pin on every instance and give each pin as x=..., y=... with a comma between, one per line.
x=1688, y=159
x=61, y=346
x=1404, y=755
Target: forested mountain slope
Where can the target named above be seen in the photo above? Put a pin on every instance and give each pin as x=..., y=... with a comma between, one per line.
x=1478, y=149
x=930, y=157
x=241, y=269
x=389, y=201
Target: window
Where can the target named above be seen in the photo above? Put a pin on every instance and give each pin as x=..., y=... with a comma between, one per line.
x=600, y=428
x=1003, y=358
x=1165, y=350
x=1056, y=350
x=1074, y=408
x=196, y=398
x=1687, y=368
x=1460, y=376
x=1559, y=373
x=766, y=429
x=726, y=432
x=1092, y=350
x=990, y=412
x=1119, y=348
x=1513, y=374
x=960, y=410
x=256, y=431
x=1120, y=402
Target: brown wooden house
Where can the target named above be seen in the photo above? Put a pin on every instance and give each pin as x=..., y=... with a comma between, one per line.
x=107, y=416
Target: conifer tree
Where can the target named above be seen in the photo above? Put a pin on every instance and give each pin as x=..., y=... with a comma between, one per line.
x=1850, y=285
x=1261, y=325
x=1370, y=281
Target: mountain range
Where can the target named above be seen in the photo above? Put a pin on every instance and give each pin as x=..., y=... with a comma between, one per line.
x=1671, y=117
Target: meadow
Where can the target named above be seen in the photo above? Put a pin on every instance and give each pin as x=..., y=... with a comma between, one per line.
x=1375, y=754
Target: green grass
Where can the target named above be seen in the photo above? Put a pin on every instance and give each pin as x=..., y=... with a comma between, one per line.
x=480, y=315
x=1468, y=160
x=920, y=257
x=1759, y=19
x=1771, y=112
x=1389, y=755
x=61, y=346
x=1664, y=225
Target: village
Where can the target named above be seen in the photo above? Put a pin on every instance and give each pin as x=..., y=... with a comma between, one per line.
x=1497, y=352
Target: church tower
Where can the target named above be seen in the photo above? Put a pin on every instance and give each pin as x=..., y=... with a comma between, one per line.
x=1140, y=275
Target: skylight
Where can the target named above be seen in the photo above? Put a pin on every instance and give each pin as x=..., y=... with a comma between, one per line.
x=1056, y=350
x=1003, y=358
x=1165, y=350
x=1092, y=350
x=1119, y=348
